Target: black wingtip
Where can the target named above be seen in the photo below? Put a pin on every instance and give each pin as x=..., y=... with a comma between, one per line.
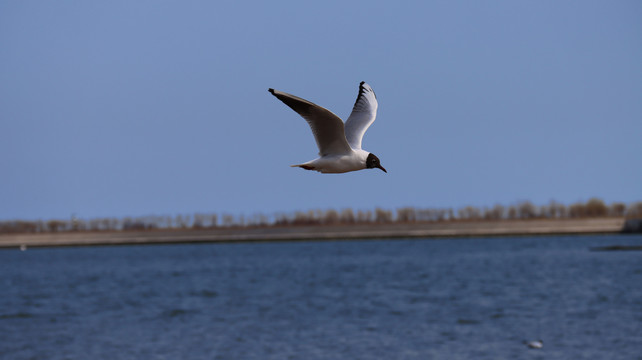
x=361, y=89
x=271, y=91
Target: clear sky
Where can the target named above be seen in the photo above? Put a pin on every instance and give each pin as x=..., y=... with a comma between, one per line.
x=132, y=108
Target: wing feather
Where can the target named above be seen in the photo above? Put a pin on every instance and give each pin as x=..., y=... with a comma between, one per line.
x=363, y=115
x=327, y=128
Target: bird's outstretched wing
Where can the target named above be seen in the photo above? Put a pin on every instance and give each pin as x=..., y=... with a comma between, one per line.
x=327, y=127
x=363, y=115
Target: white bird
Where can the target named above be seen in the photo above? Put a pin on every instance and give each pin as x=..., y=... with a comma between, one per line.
x=339, y=145
x=536, y=344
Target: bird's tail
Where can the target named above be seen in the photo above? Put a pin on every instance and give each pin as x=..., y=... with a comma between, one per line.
x=303, y=166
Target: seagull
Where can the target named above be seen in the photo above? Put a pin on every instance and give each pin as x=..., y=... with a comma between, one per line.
x=536, y=344
x=339, y=145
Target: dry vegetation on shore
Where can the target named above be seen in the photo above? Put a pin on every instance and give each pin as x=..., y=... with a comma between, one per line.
x=523, y=210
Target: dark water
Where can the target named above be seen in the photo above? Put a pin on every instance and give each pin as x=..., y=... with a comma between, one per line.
x=395, y=299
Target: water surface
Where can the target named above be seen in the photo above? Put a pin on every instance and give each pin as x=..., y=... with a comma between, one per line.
x=476, y=298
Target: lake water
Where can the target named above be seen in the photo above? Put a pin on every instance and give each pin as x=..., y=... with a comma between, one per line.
x=476, y=298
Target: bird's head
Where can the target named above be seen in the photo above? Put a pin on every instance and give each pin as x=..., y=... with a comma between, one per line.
x=373, y=162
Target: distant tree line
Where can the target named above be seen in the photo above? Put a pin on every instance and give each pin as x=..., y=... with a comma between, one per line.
x=521, y=210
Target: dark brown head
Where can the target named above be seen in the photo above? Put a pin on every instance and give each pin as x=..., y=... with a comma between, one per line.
x=373, y=162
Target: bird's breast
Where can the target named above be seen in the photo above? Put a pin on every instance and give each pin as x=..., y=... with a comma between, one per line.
x=340, y=163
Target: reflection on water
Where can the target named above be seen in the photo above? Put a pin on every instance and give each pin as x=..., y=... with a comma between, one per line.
x=393, y=299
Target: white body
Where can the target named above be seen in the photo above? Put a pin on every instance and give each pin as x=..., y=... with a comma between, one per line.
x=336, y=164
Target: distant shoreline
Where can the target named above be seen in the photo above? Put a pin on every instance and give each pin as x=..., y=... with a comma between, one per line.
x=321, y=232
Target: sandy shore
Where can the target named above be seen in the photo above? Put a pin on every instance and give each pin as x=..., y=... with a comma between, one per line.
x=294, y=233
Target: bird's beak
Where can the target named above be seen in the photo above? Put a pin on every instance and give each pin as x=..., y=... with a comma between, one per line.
x=381, y=167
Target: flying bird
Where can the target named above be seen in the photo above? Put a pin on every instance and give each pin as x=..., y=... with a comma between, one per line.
x=339, y=145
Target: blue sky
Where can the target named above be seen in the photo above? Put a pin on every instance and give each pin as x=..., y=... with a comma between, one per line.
x=131, y=108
